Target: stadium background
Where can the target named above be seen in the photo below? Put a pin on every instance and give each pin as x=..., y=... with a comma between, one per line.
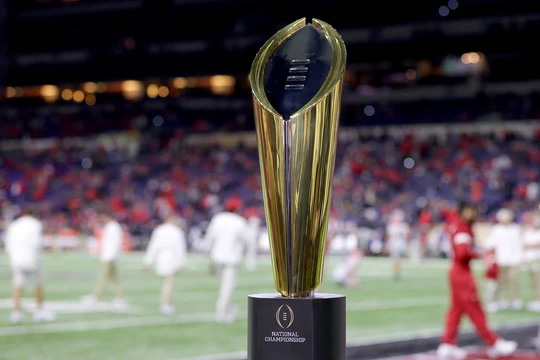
x=141, y=106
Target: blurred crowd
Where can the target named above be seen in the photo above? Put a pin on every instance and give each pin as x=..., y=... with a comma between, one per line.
x=142, y=180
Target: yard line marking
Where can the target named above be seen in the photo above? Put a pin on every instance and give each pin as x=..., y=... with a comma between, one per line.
x=72, y=307
x=396, y=304
x=108, y=324
x=206, y=317
x=128, y=322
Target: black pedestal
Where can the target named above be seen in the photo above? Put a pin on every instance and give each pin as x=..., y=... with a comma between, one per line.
x=281, y=328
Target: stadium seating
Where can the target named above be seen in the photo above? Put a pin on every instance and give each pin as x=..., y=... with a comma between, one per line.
x=140, y=173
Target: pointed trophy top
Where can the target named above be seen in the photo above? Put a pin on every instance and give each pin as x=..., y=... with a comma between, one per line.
x=297, y=66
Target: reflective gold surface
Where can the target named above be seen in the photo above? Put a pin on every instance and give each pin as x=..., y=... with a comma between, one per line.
x=297, y=165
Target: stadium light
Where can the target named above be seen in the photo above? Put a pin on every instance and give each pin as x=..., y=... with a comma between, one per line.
x=444, y=11
x=471, y=58
x=180, y=83
x=86, y=163
x=453, y=4
x=90, y=87
x=222, y=84
x=78, y=96
x=67, y=94
x=90, y=99
x=49, y=93
x=408, y=163
x=11, y=92
x=152, y=91
x=369, y=110
x=410, y=74
x=163, y=91
x=474, y=57
x=132, y=89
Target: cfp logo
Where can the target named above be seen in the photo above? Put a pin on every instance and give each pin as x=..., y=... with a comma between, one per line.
x=285, y=316
x=298, y=72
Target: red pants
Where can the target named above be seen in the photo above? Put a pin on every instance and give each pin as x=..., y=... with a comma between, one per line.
x=464, y=300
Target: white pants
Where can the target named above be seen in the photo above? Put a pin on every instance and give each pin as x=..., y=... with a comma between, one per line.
x=227, y=274
x=22, y=276
x=492, y=291
x=396, y=249
x=251, y=257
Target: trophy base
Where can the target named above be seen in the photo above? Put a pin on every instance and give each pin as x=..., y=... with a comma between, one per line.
x=284, y=328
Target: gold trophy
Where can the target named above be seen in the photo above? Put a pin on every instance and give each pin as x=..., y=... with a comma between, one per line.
x=296, y=80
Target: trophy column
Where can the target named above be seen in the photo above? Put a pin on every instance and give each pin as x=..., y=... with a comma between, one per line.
x=296, y=81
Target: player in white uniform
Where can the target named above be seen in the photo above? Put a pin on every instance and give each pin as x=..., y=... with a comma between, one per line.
x=111, y=248
x=531, y=261
x=168, y=251
x=23, y=242
x=227, y=235
x=397, y=236
x=506, y=238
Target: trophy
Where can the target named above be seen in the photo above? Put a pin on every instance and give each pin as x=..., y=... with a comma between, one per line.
x=296, y=80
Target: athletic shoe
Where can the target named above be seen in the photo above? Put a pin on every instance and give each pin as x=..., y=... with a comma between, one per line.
x=229, y=317
x=167, y=309
x=492, y=307
x=119, y=304
x=44, y=315
x=536, y=341
x=222, y=319
x=16, y=317
x=89, y=300
x=517, y=305
x=534, y=306
x=501, y=348
x=233, y=312
x=450, y=352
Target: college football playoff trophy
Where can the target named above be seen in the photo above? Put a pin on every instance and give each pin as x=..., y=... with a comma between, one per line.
x=296, y=80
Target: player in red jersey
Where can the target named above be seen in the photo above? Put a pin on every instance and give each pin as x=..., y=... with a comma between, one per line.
x=464, y=298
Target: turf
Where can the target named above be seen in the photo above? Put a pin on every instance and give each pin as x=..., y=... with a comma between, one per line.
x=380, y=308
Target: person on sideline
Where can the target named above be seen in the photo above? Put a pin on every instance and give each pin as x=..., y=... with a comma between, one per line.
x=507, y=241
x=397, y=238
x=23, y=244
x=111, y=248
x=531, y=259
x=168, y=251
x=227, y=234
x=464, y=297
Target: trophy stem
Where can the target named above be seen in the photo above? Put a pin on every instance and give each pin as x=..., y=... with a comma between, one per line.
x=287, y=141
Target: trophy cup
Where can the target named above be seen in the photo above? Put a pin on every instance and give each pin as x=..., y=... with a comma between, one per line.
x=296, y=80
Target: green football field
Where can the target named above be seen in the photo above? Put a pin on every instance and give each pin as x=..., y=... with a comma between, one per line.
x=379, y=309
